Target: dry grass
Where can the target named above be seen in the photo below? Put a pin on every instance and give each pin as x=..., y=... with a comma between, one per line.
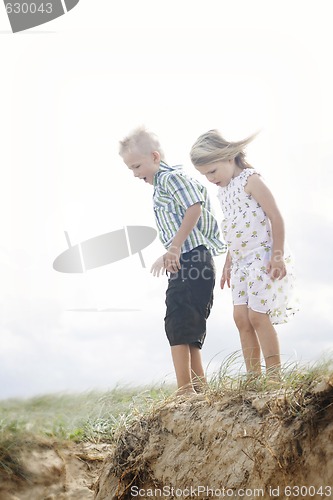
x=304, y=394
x=126, y=417
x=298, y=384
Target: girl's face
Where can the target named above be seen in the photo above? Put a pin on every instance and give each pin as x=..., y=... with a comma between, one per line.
x=220, y=172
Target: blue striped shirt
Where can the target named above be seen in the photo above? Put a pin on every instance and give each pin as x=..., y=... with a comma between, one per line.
x=174, y=193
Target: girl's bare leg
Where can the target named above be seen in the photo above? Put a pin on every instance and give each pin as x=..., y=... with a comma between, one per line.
x=269, y=342
x=249, y=340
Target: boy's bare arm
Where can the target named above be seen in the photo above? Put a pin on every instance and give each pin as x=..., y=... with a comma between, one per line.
x=191, y=217
x=171, y=258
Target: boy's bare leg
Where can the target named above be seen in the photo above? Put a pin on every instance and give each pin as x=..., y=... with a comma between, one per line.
x=268, y=341
x=198, y=375
x=181, y=357
x=249, y=340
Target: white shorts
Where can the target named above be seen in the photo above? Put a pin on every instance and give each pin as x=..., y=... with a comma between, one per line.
x=251, y=285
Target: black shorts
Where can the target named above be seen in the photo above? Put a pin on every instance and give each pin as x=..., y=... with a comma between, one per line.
x=189, y=298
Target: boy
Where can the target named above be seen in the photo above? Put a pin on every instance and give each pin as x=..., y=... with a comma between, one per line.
x=190, y=234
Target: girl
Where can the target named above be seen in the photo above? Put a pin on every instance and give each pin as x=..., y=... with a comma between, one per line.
x=259, y=271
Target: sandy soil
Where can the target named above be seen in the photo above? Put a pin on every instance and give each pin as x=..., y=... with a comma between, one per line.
x=53, y=473
x=247, y=446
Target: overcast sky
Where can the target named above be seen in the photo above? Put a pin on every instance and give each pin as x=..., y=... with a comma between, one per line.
x=70, y=90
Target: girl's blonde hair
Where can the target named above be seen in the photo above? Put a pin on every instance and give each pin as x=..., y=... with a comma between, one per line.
x=140, y=140
x=211, y=147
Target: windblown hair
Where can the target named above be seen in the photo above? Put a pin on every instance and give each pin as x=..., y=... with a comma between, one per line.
x=142, y=141
x=211, y=147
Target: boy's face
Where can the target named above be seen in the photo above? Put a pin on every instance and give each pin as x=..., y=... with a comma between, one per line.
x=143, y=166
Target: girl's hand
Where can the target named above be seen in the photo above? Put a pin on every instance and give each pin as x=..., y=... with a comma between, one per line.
x=276, y=268
x=226, y=272
x=158, y=266
x=225, y=277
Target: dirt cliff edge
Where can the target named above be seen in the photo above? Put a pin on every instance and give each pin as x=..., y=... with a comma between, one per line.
x=244, y=444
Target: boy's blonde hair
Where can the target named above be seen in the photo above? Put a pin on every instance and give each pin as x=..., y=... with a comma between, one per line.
x=211, y=147
x=142, y=141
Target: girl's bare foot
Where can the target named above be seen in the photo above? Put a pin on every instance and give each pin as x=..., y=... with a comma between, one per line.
x=185, y=390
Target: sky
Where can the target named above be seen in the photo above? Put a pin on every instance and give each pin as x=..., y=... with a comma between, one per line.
x=70, y=90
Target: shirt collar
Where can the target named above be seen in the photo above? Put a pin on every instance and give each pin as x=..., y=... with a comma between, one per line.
x=164, y=167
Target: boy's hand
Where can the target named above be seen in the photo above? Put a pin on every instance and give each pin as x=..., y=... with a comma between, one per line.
x=158, y=266
x=171, y=259
x=276, y=268
x=167, y=262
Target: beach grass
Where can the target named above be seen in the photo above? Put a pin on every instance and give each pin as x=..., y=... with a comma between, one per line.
x=92, y=417
x=100, y=417
x=89, y=416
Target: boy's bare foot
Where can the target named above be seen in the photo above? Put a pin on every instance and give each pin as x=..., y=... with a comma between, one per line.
x=200, y=388
x=199, y=384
